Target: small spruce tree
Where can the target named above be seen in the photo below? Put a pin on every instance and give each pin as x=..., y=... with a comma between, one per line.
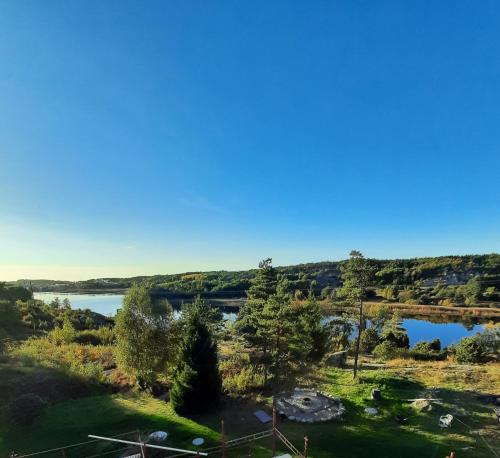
x=196, y=383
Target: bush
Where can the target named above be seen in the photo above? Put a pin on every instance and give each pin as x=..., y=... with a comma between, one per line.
x=64, y=335
x=428, y=351
x=470, y=350
x=26, y=408
x=399, y=338
x=64, y=356
x=386, y=350
x=101, y=336
x=369, y=340
x=490, y=340
x=427, y=347
x=240, y=380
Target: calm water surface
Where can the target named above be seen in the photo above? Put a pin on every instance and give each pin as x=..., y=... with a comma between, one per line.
x=418, y=329
x=105, y=304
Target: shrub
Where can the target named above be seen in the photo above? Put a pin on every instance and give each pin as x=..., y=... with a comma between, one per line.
x=427, y=347
x=299, y=295
x=26, y=408
x=101, y=336
x=428, y=351
x=490, y=339
x=64, y=335
x=369, y=340
x=446, y=302
x=87, y=338
x=386, y=350
x=244, y=381
x=64, y=356
x=399, y=338
x=470, y=350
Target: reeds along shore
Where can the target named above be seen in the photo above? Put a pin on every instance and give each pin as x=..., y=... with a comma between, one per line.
x=421, y=309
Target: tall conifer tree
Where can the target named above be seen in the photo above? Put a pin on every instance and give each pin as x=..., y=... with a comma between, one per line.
x=197, y=382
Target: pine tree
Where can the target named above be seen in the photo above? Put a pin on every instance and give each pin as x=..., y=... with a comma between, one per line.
x=279, y=332
x=356, y=275
x=196, y=383
x=263, y=285
x=315, y=333
x=212, y=316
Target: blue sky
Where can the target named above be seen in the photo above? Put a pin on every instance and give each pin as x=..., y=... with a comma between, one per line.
x=154, y=137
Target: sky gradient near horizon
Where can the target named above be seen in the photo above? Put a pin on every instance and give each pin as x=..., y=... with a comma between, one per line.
x=159, y=137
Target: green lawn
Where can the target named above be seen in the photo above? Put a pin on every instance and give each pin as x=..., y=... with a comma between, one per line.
x=71, y=421
x=357, y=435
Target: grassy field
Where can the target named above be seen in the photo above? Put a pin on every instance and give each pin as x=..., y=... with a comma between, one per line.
x=357, y=435
x=71, y=421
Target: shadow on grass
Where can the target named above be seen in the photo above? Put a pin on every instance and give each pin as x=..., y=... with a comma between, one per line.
x=71, y=422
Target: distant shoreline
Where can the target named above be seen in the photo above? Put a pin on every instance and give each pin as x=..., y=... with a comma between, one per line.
x=221, y=300
x=427, y=310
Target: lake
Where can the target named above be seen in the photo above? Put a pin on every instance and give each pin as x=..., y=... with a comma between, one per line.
x=418, y=329
x=105, y=304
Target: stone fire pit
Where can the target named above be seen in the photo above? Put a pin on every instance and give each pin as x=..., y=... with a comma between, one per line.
x=309, y=406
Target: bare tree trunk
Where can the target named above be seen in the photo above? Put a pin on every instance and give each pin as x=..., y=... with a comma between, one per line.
x=358, y=340
x=265, y=365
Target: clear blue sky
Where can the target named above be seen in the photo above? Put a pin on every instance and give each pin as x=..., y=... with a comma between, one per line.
x=154, y=137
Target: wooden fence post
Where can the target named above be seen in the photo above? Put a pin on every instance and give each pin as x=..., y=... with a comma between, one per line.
x=274, y=431
x=223, y=439
x=306, y=443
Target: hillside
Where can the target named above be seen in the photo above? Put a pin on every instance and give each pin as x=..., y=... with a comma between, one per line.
x=421, y=272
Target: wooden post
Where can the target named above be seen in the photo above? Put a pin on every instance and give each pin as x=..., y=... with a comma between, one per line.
x=223, y=439
x=274, y=431
x=306, y=443
x=143, y=452
x=358, y=339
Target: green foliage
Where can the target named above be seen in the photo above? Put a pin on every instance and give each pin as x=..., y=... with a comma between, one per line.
x=400, y=339
x=63, y=335
x=386, y=350
x=25, y=409
x=246, y=380
x=472, y=291
x=395, y=333
x=144, y=336
x=357, y=274
x=389, y=292
x=315, y=334
x=41, y=316
x=212, y=316
x=379, y=315
x=239, y=376
x=470, y=350
x=264, y=282
x=101, y=336
x=279, y=334
x=70, y=358
x=418, y=273
x=428, y=351
x=369, y=340
x=196, y=383
x=427, y=347
x=490, y=340
x=263, y=285
x=13, y=293
x=409, y=295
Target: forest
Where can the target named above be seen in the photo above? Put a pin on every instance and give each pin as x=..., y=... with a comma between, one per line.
x=448, y=280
